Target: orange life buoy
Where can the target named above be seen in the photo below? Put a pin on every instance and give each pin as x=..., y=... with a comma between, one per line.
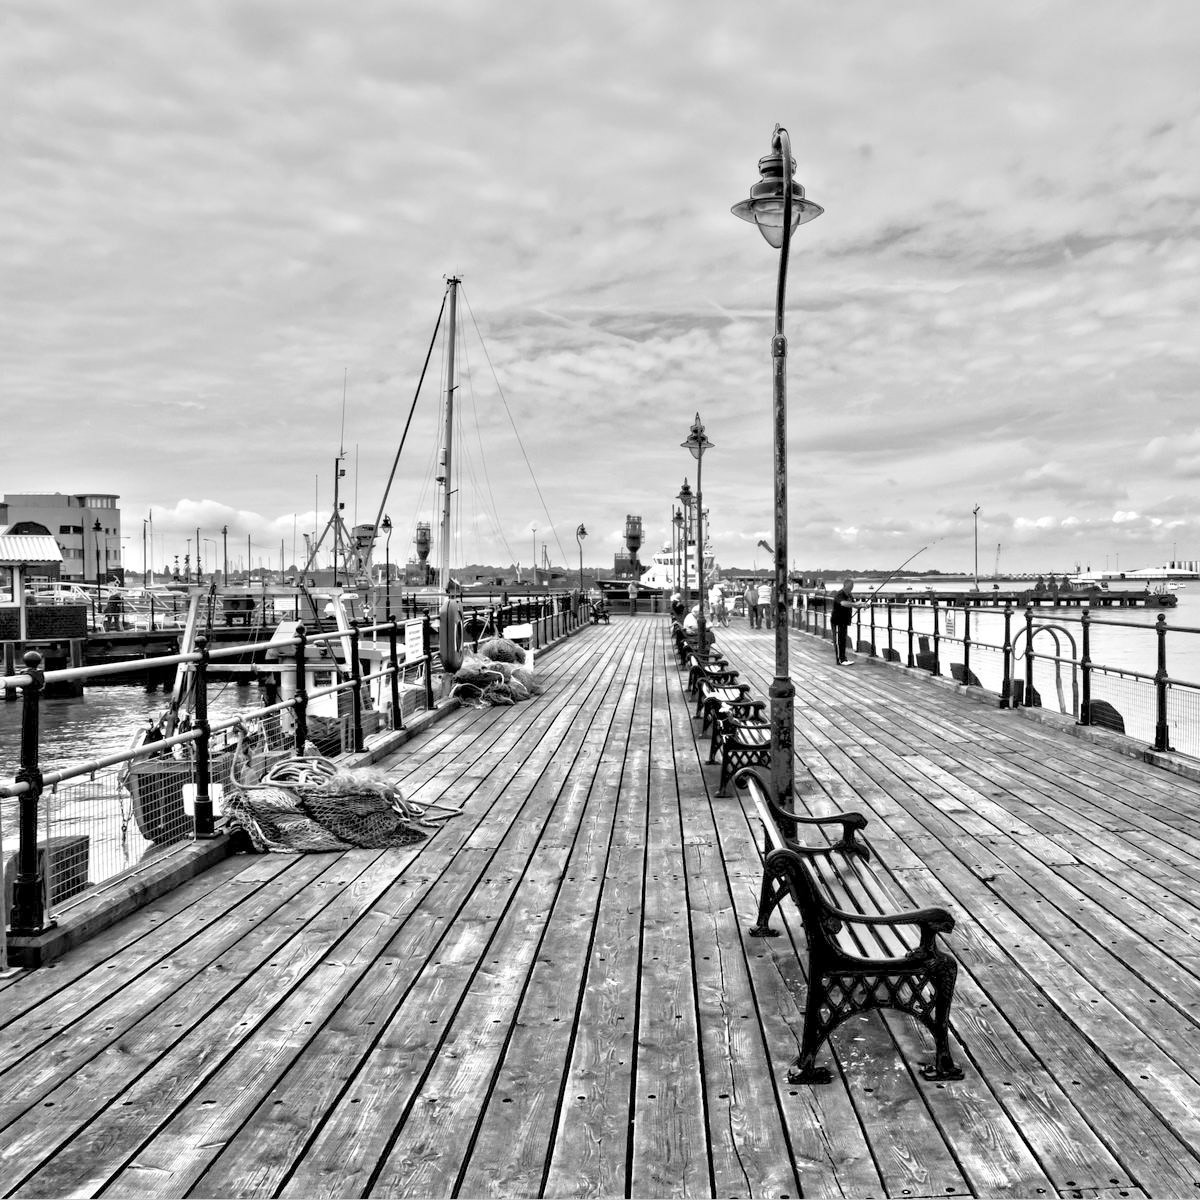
x=450, y=636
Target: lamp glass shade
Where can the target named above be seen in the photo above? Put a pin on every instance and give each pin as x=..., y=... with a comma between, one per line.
x=766, y=212
x=697, y=441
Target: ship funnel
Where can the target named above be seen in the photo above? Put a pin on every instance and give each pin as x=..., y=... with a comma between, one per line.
x=633, y=535
x=422, y=540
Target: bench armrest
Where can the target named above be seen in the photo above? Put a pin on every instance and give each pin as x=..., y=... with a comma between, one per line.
x=932, y=919
x=751, y=779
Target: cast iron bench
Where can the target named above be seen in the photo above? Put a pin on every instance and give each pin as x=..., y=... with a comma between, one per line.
x=864, y=950
x=743, y=737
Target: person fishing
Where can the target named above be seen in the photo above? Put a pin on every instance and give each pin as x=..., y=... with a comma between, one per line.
x=844, y=605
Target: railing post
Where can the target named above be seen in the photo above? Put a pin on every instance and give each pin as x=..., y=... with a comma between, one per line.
x=966, y=614
x=1029, y=655
x=1007, y=656
x=393, y=668
x=891, y=650
x=301, y=698
x=912, y=658
x=1085, y=667
x=857, y=629
x=872, y=627
x=203, y=809
x=937, y=655
x=28, y=914
x=1162, y=738
x=356, y=691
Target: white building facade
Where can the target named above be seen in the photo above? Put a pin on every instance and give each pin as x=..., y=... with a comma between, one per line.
x=87, y=528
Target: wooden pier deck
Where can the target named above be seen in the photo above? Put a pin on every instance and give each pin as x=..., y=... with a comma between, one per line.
x=555, y=994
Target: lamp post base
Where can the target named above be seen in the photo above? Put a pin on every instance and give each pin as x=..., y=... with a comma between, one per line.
x=782, y=694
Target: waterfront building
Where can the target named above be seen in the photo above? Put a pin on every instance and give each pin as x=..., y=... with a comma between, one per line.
x=86, y=526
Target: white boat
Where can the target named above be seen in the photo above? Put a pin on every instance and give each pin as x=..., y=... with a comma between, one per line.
x=667, y=568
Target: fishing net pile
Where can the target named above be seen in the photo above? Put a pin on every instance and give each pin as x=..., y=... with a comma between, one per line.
x=309, y=804
x=495, y=675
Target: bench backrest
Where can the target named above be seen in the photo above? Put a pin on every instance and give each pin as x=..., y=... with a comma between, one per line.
x=832, y=879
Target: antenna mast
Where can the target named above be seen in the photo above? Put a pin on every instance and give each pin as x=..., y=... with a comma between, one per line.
x=447, y=439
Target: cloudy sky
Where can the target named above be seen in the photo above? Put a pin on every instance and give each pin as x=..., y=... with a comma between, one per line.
x=216, y=216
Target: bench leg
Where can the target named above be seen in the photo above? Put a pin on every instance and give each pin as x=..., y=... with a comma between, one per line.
x=712, y=744
x=943, y=976
x=769, y=897
x=805, y=1069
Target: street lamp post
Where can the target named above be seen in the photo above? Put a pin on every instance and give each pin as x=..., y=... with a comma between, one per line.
x=697, y=443
x=677, y=525
x=225, y=555
x=580, y=534
x=386, y=526
x=685, y=501
x=777, y=205
x=96, y=543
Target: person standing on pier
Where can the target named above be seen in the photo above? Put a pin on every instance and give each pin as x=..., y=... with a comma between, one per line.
x=844, y=605
x=766, y=606
x=751, y=598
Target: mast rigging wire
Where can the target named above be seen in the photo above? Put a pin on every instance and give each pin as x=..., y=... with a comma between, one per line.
x=516, y=434
x=412, y=408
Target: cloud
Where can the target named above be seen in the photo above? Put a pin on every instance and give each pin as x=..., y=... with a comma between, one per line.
x=215, y=211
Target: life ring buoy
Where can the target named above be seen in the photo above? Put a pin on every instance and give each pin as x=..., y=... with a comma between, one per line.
x=450, y=636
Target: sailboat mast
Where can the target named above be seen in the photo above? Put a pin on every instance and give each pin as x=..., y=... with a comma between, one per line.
x=448, y=437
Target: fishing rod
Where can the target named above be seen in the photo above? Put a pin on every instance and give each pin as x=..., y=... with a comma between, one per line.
x=901, y=567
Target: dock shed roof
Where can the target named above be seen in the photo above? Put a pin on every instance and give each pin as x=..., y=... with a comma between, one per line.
x=21, y=549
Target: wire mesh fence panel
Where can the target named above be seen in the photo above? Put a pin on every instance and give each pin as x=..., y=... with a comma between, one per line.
x=1183, y=719
x=1123, y=703
x=90, y=832
x=987, y=668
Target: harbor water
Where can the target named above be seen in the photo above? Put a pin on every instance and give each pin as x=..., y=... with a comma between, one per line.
x=104, y=719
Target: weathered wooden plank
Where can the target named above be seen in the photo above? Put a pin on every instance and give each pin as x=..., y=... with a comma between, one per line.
x=590, y=1156
x=344, y=1084
x=513, y=1142
x=670, y=1143
x=63, y=973
x=165, y=1060
x=98, y=1016
x=428, y=1156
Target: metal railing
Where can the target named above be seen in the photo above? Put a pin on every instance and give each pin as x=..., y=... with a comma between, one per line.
x=84, y=824
x=1024, y=655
